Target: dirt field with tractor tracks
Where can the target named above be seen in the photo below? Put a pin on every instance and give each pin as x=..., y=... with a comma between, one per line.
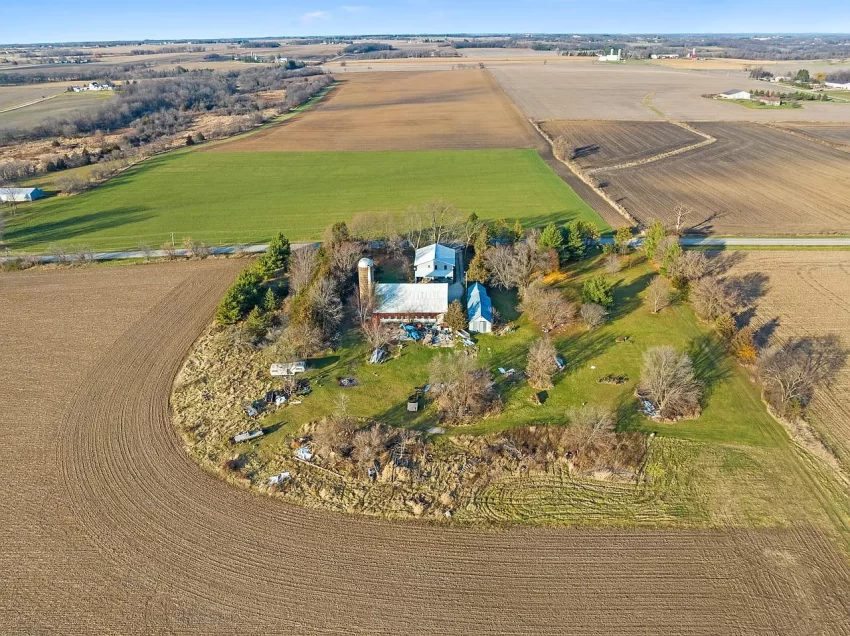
x=110, y=528
x=808, y=294
x=433, y=110
x=607, y=143
x=754, y=180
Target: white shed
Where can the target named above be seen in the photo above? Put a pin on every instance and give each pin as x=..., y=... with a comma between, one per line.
x=479, y=309
x=734, y=94
x=20, y=194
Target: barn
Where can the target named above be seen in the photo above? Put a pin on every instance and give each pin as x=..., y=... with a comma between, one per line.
x=411, y=302
x=734, y=94
x=20, y=194
x=479, y=309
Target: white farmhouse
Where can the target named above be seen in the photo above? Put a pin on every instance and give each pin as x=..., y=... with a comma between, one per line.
x=435, y=263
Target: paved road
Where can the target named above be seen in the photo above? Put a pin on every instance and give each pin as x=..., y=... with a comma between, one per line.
x=687, y=241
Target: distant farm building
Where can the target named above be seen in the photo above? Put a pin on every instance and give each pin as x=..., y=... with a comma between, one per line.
x=435, y=263
x=612, y=57
x=479, y=309
x=842, y=85
x=734, y=94
x=770, y=100
x=20, y=194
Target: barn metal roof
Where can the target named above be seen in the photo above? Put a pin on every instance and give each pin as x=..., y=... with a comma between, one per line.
x=412, y=298
x=428, y=257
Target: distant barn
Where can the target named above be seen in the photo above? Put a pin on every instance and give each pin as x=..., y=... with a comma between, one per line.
x=20, y=194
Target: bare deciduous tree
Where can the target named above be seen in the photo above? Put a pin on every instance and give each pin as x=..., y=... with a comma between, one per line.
x=612, y=263
x=369, y=444
x=793, y=370
x=499, y=261
x=344, y=257
x=302, y=267
x=668, y=382
x=593, y=422
x=593, y=314
x=541, y=363
x=682, y=212
x=377, y=333
x=327, y=307
x=690, y=266
x=712, y=297
x=547, y=307
x=657, y=295
x=462, y=389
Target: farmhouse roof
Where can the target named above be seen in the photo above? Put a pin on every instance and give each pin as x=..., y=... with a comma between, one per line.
x=478, y=303
x=412, y=298
x=427, y=258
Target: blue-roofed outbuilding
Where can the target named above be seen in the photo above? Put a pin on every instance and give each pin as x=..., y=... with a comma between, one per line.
x=479, y=309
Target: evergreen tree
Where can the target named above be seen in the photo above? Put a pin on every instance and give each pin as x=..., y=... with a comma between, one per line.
x=598, y=290
x=256, y=324
x=482, y=241
x=517, y=232
x=456, y=316
x=276, y=257
x=671, y=255
x=477, y=269
x=725, y=326
x=621, y=240
x=654, y=235
x=551, y=237
x=270, y=303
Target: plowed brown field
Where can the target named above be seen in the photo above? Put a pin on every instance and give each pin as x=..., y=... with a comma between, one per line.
x=109, y=528
x=433, y=110
x=598, y=144
x=808, y=294
x=838, y=134
x=754, y=180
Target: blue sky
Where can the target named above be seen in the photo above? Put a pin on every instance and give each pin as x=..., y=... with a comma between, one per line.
x=66, y=20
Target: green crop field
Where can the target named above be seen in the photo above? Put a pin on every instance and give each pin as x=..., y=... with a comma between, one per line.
x=228, y=198
x=59, y=106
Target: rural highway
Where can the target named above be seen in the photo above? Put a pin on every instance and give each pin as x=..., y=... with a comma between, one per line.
x=687, y=241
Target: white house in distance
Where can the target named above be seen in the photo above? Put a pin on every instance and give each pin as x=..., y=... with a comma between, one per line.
x=734, y=94
x=20, y=194
x=479, y=309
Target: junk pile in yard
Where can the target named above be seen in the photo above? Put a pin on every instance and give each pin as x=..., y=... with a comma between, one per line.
x=347, y=382
x=283, y=369
x=613, y=379
x=277, y=480
x=247, y=436
x=431, y=335
x=302, y=448
x=648, y=409
x=379, y=355
x=508, y=328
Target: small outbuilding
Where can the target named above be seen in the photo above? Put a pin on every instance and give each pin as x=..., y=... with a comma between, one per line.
x=20, y=194
x=770, y=100
x=734, y=94
x=479, y=309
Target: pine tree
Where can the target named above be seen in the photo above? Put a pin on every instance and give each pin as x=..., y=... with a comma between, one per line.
x=621, y=240
x=477, y=269
x=654, y=236
x=456, y=316
x=276, y=257
x=517, y=232
x=725, y=326
x=598, y=290
x=551, y=237
x=482, y=241
x=270, y=303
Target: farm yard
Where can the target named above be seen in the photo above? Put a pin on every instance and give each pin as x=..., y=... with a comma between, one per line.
x=402, y=111
x=110, y=477
x=754, y=180
x=232, y=198
x=808, y=294
x=597, y=91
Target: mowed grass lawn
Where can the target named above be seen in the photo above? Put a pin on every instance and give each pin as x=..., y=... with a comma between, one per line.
x=230, y=198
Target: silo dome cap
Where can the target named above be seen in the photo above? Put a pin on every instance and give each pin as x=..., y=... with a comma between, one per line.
x=365, y=262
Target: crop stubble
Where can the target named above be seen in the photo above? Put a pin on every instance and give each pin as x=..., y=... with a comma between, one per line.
x=754, y=180
x=599, y=91
x=808, y=294
x=112, y=529
x=402, y=111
